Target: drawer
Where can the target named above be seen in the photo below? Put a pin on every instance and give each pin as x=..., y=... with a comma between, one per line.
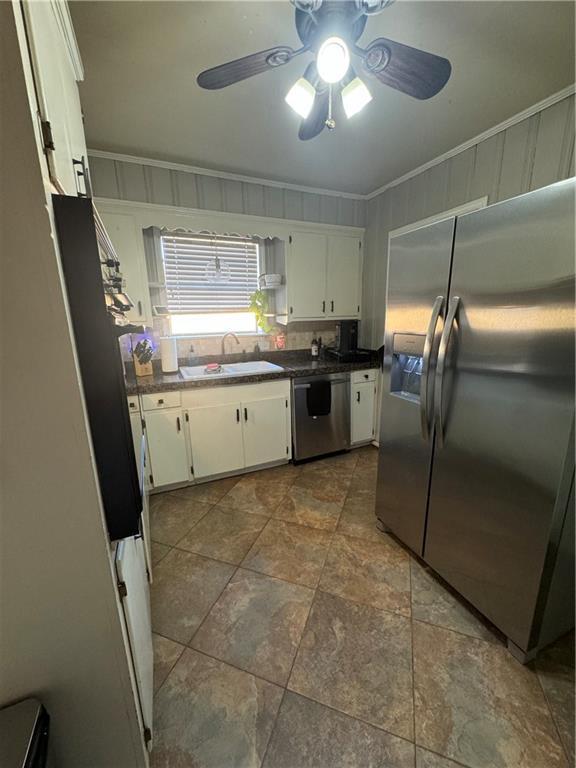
x=357, y=377
x=161, y=400
x=133, y=404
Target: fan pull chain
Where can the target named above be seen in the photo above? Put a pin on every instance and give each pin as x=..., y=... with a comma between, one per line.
x=330, y=122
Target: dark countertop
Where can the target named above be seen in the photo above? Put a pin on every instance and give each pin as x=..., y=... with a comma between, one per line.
x=294, y=364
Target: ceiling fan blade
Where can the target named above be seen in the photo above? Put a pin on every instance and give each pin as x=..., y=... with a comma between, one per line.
x=316, y=120
x=409, y=70
x=247, y=66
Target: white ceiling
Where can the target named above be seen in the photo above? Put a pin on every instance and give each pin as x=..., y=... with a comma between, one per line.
x=140, y=95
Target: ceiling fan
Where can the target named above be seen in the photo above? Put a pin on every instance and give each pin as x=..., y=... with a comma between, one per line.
x=329, y=30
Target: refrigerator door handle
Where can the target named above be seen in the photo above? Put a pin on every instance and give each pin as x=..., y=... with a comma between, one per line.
x=428, y=342
x=439, y=383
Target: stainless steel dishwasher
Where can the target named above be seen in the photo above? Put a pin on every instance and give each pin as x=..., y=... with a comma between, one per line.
x=314, y=435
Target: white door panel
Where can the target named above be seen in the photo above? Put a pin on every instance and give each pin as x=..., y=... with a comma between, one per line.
x=216, y=439
x=343, y=277
x=167, y=445
x=363, y=402
x=131, y=572
x=264, y=431
x=306, y=278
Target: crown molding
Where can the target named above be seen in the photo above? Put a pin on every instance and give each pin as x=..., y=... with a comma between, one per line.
x=526, y=113
x=529, y=112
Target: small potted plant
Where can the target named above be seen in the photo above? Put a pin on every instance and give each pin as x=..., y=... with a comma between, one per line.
x=260, y=307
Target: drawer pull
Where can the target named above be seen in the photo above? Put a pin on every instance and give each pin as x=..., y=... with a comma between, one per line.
x=160, y=401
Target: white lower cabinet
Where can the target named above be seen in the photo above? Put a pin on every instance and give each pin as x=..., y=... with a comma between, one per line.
x=205, y=432
x=236, y=427
x=167, y=445
x=216, y=439
x=363, y=406
x=264, y=430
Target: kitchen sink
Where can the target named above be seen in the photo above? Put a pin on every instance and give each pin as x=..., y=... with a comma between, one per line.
x=229, y=369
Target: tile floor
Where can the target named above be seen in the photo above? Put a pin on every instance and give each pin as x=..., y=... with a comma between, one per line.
x=290, y=633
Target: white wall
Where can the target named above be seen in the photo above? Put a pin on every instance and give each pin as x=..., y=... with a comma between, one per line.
x=60, y=629
x=531, y=154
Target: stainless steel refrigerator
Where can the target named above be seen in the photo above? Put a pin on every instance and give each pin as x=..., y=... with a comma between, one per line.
x=476, y=466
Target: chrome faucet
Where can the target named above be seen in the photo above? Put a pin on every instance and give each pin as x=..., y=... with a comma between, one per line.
x=224, y=341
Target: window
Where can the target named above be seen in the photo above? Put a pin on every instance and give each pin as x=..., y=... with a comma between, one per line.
x=209, y=280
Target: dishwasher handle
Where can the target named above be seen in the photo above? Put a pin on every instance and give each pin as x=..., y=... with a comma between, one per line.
x=332, y=382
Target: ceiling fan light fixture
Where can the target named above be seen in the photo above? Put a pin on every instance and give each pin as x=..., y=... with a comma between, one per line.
x=333, y=60
x=301, y=97
x=355, y=96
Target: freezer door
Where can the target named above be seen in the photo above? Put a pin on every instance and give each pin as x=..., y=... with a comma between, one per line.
x=505, y=400
x=418, y=274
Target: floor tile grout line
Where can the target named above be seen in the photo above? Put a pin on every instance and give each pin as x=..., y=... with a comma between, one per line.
x=157, y=691
x=551, y=713
x=412, y=658
x=187, y=644
x=286, y=689
x=235, y=666
x=353, y=717
x=273, y=729
x=357, y=719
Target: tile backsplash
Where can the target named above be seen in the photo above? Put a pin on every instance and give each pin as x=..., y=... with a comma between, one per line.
x=298, y=336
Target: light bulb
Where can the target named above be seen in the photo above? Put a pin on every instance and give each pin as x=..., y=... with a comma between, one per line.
x=355, y=96
x=301, y=97
x=333, y=60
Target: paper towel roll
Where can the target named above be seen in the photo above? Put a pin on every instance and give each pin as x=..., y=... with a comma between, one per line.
x=169, y=354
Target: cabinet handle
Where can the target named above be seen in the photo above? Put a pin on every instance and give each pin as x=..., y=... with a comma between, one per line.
x=332, y=306
x=323, y=306
x=245, y=414
x=358, y=396
x=291, y=310
x=139, y=307
x=238, y=415
x=160, y=402
x=178, y=427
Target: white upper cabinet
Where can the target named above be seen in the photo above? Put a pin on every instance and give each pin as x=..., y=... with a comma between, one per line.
x=128, y=243
x=323, y=276
x=57, y=69
x=306, y=276
x=343, y=275
x=265, y=431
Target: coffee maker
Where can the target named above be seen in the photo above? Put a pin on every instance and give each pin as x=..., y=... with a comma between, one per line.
x=346, y=348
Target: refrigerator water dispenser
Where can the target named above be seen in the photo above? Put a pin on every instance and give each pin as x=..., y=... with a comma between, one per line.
x=406, y=370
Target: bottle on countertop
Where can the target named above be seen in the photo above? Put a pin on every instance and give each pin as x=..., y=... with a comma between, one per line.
x=314, y=347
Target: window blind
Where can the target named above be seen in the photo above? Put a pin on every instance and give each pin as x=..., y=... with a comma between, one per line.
x=190, y=259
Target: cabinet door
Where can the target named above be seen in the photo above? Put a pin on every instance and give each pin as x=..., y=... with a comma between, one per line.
x=128, y=243
x=131, y=572
x=168, y=455
x=306, y=276
x=216, y=439
x=343, y=273
x=56, y=69
x=265, y=431
x=363, y=402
